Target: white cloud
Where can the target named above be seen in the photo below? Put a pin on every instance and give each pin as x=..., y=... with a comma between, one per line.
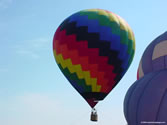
x=31, y=109
x=44, y=109
x=5, y=3
x=3, y=70
x=27, y=53
x=38, y=103
x=40, y=43
x=33, y=48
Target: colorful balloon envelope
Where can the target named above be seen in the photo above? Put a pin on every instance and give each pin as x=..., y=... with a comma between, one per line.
x=93, y=49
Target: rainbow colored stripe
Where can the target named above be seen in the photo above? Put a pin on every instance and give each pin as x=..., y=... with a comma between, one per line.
x=94, y=49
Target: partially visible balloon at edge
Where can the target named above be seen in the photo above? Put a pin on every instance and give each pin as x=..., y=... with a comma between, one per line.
x=146, y=99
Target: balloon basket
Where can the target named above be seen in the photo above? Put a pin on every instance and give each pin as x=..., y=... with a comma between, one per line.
x=94, y=116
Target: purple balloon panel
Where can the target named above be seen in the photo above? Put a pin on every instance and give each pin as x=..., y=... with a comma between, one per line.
x=146, y=99
x=159, y=63
x=153, y=57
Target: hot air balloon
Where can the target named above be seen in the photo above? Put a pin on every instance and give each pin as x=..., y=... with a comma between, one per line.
x=93, y=48
x=146, y=100
x=154, y=57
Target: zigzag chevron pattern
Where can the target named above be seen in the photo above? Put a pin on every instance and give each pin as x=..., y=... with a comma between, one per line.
x=94, y=49
x=78, y=70
x=88, y=58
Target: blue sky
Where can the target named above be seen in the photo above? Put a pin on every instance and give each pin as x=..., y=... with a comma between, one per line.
x=33, y=91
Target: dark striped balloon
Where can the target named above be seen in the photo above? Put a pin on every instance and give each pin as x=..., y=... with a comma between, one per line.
x=94, y=49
